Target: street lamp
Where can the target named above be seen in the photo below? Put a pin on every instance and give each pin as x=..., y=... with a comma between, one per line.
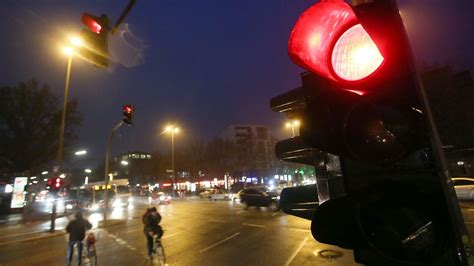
x=87, y=170
x=124, y=162
x=69, y=51
x=293, y=124
x=80, y=153
x=172, y=129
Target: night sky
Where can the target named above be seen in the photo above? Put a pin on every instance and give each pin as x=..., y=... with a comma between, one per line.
x=201, y=64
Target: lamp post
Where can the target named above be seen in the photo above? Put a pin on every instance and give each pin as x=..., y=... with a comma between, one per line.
x=293, y=124
x=172, y=129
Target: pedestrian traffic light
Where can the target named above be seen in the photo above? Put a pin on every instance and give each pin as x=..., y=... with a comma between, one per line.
x=128, y=114
x=94, y=37
x=364, y=128
x=55, y=184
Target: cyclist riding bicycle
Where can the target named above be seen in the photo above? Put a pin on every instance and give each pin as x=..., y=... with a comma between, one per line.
x=77, y=231
x=152, y=227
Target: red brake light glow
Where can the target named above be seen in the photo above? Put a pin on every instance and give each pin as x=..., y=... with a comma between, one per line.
x=355, y=56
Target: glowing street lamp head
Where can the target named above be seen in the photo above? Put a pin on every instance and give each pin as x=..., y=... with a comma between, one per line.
x=76, y=41
x=68, y=51
x=124, y=162
x=296, y=123
x=81, y=152
x=176, y=130
x=288, y=125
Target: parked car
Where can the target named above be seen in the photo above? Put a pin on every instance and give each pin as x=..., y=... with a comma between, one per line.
x=464, y=188
x=260, y=197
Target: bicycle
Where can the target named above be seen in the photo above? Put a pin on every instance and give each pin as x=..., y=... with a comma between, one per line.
x=158, y=252
x=89, y=255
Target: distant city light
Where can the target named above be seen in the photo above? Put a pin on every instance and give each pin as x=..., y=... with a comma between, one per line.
x=62, y=176
x=87, y=170
x=44, y=173
x=124, y=162
x=81, y=152
x=8, y=188
x=460, y=163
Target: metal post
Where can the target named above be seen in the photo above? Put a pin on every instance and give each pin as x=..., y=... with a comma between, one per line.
x=61, y=137
x=293, y=130
x=106, y=175
x=172, y=161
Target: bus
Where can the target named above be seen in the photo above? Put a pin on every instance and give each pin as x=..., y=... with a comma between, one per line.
x=92, y=195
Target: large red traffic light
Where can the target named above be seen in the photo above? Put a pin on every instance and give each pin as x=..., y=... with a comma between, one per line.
x=370, y=148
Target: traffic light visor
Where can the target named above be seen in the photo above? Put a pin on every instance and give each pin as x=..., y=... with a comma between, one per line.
x=355, y=56
x=329, y=40
x=315, y=33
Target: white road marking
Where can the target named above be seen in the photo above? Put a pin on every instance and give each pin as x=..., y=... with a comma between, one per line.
x=220, y=242
x=112, y=236
x=296, y=252
x=254, y=225
x=241, y=211
x=275, y=214
x=166, y=236
x=134, y=230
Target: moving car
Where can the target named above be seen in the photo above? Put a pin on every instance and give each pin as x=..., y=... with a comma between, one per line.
x=159, y=198
x=218, y=195
x=260, y=197
x=464, y=188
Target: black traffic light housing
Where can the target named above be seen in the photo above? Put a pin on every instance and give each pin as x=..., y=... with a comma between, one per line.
x=385, y=200
x=94, y=37
x=128, y=114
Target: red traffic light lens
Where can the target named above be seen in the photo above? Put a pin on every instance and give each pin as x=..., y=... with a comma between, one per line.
x=355, y=56
x=127, y=109
x=91, y=23
x=57, y=185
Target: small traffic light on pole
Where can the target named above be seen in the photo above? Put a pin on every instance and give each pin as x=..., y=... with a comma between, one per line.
x=128, y=114
x=385, y=198
x=94, y=37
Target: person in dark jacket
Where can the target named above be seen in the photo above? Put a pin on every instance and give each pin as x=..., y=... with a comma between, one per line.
x=152, y=227
x=77, y=231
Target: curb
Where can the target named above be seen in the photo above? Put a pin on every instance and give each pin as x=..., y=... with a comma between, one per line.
x=49, y=235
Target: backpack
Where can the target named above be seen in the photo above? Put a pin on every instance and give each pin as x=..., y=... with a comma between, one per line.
x=145, y=216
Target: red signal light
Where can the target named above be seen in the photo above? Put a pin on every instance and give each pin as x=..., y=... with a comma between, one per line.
x=355, y=56
x=127, y=109
x=91, y=22
x=57, y=184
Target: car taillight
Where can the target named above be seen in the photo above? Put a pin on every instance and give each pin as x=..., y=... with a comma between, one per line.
x=355, y=55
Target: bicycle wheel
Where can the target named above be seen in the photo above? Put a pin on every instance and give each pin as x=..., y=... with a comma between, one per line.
x=160, y=255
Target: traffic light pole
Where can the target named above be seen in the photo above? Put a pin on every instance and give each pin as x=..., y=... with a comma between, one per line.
x=106, y=175
x=464, y=244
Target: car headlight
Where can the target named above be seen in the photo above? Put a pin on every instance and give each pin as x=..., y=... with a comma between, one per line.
x=130, y=199
x=69, y=206
x=95, y=207
x=162, y=197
